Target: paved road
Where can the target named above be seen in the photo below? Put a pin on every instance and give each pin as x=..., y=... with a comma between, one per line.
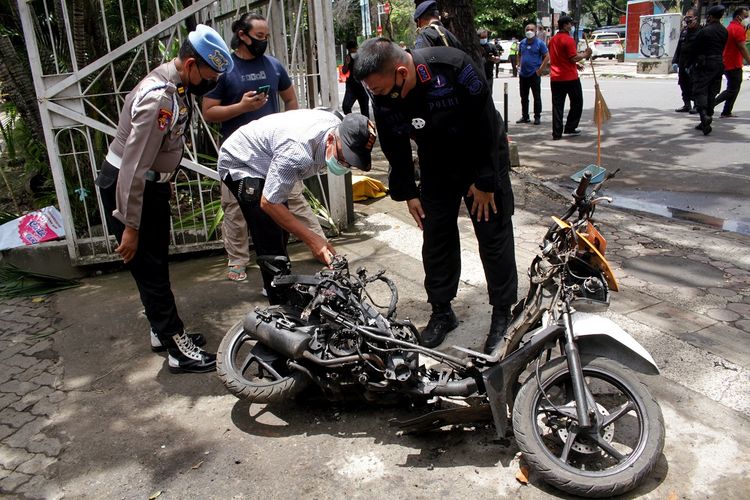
x=667, y=167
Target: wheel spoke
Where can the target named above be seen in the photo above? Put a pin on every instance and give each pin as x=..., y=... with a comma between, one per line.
x=269, y=368
x=572, y=434
x=604, y=445
x=616, y=414
x=248, y=361
x=560, y=410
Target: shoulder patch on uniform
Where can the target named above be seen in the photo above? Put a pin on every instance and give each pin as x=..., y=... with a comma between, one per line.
x=469, y=79
x=164, y=119
x=424, y=73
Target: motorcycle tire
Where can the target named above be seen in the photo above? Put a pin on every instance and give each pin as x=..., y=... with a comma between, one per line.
x=536, y=409
x=265, y=388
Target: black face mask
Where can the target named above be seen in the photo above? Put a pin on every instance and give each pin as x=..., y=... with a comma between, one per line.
x=395, y=92
x=202, y=88
x=258, y=48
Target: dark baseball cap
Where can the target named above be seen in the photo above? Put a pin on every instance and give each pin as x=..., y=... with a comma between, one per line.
x=565, y=20
x=717, y=11
x=357, y=135
x=422, y=7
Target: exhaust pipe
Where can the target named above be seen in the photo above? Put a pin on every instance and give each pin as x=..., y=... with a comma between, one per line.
x=288, y=340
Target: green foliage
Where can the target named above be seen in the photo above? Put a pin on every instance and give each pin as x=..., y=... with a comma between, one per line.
x=15, y=282
x=602, y=12
x=504, y=18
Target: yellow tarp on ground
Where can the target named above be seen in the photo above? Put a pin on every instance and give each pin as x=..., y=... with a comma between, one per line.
x=364, y=187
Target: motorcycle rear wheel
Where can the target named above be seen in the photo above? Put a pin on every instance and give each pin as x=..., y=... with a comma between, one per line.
x=630, y=425
x=254, y=376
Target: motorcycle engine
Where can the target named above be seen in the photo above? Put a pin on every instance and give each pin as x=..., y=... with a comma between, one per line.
x=343, y=343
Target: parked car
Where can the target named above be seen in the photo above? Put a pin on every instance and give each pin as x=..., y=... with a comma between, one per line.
x=604, y=45
x=618, y=28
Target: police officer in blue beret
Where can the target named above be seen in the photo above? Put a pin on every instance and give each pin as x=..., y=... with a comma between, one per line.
x=134, y=183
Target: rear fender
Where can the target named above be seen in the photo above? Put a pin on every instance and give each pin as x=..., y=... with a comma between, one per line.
x=599, y=336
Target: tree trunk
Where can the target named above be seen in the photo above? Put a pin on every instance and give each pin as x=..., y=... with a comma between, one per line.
x=458, y=17
x=18, y=84
x=79, y=32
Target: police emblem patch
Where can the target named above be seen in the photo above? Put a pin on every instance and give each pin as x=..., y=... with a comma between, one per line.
x=164, y=119
x=418, y=123
x=424, y=73
x=219, y=61
x=469, y=79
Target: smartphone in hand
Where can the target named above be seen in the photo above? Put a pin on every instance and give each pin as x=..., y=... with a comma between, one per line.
x=264, y=89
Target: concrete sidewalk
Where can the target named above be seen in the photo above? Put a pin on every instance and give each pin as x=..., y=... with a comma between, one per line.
x=87, y=411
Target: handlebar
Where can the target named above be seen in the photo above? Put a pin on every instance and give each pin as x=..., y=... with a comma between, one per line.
x=583, y=184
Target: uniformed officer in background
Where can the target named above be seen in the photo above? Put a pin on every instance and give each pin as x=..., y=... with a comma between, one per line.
x=135, y=190
x=709, y=66
x=684, y=58
x=430, y=31
x=440, y=98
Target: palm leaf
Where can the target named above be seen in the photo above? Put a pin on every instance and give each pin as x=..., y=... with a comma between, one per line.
x=15, y=282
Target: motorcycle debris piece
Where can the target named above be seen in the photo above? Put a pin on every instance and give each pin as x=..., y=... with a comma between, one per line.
x=440, y=418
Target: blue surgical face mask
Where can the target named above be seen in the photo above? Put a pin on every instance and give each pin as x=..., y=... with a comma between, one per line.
x=335, y=167
x=483, y=41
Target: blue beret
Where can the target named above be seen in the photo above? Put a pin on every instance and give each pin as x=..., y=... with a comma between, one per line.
x=209, y=45
x=424, y=7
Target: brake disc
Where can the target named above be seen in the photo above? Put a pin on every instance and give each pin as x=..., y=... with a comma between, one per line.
x=609, y=433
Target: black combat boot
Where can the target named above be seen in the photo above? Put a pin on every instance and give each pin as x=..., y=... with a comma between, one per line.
x=500, y=321
x=684, y=109
x=705, y=124
x=189, y=358
x=442, y=321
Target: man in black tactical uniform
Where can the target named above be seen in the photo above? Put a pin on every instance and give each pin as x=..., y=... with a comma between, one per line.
x=709, y=66
x=430, y=31
x=439, y=98
x=684, y=58
x=354, y=90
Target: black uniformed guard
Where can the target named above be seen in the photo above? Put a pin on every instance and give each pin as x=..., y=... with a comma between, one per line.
x=135, y=189
x=354, y=90
x=709, y=66
x=440, y=98
x=430, y=31
x=684, y=58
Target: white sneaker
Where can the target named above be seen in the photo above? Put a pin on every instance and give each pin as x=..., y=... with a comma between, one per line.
x=156, y=345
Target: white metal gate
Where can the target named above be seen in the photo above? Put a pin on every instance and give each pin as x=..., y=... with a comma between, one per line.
x=79, y=100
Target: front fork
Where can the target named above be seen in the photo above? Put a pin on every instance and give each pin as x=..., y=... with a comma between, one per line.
x=580, y=392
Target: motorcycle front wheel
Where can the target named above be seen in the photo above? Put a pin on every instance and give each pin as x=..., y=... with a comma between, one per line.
x=615, y=454
x=254, y=372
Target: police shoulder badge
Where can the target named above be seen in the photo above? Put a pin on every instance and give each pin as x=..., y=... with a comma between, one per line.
x=424, y=73
x=164, y=119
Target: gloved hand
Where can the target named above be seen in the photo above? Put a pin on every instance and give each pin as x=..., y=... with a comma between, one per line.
x=675, y=67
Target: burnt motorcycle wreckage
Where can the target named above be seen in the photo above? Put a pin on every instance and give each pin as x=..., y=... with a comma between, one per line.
x=562, y=376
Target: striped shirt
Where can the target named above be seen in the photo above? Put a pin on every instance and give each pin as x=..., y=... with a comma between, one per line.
x=282, y=148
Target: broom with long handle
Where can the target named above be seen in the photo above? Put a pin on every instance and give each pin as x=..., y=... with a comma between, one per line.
x=601, y=111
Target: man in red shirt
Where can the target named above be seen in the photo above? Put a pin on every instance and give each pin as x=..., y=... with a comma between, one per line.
x=563, y=57
x=734, y=51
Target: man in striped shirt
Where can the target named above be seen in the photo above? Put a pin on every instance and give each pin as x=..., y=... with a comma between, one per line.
x=261, y=162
